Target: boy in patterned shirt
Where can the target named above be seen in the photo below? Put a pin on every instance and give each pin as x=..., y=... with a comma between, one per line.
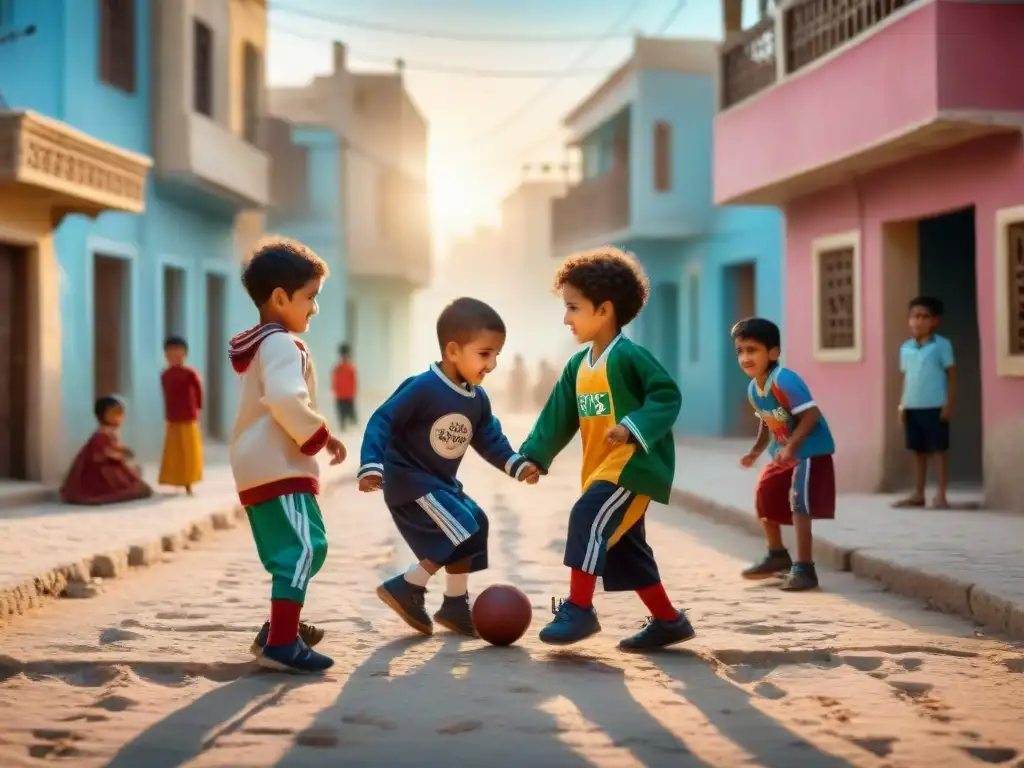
x=799, y=484
x=624, y=404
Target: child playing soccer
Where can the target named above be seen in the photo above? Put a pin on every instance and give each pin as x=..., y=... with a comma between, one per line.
x=182, y=461
x=799, y=484
x=413, y=446
x=624, y=404
x=276, y=437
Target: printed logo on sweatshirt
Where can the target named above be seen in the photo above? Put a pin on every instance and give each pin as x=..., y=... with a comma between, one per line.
x=597, y=404
x=450, y=435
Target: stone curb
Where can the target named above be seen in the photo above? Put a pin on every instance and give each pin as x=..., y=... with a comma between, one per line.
x=77, y=579
x=938, y=591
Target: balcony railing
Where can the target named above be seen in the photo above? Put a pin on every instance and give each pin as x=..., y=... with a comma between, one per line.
x=592, y=208
x=811, y=29
x=748, y=63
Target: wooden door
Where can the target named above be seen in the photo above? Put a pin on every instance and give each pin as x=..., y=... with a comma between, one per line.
x=216, y=356
x=13, y=362
x=110, y=286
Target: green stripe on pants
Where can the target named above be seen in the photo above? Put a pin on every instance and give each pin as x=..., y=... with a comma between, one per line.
x=291, y=542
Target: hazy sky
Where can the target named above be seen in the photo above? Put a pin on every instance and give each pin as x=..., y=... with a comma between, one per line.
x=483, y=124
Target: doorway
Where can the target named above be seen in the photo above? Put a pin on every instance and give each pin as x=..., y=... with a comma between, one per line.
x=947, y=270
x=216, y=355
x=739, y=284
x=665, y=333
x=111, y=324
x=174, y=302
x=13, y=362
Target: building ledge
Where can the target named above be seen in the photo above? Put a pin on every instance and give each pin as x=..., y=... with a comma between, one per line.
x=78, y=173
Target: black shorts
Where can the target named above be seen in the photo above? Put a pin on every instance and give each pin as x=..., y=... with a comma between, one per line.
x=926, y=431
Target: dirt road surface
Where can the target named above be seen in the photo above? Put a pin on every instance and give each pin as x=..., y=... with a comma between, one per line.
x=154, y=672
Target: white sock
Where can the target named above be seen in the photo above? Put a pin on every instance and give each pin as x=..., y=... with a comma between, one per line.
x=418, y=575
x=456, y=584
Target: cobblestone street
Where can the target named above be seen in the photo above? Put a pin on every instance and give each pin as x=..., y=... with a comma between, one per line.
x=154, y=672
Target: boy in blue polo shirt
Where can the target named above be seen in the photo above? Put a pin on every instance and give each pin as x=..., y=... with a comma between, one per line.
x=799, y=484
x=929, y=390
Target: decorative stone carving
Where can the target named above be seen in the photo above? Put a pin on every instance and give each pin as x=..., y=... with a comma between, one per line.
x=91, y=175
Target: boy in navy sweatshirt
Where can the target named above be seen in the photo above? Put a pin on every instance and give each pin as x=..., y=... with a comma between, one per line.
x=413, y=446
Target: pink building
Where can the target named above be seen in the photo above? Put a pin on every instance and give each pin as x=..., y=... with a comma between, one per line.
x=890, y=133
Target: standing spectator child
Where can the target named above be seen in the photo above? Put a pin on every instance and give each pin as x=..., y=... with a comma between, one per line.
x=182, y=461
x=343, y=382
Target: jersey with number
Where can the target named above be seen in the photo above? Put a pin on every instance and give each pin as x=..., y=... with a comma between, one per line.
x=416, y=440
x=784, y=397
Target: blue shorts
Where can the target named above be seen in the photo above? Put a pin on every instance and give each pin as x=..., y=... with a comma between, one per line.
x=444, y=527
x=607, y=537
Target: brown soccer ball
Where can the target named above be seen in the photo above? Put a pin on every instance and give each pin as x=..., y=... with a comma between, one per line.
x=502, y=614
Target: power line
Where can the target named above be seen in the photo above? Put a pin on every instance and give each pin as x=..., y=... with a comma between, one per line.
x=395, y=29
x=450, y=70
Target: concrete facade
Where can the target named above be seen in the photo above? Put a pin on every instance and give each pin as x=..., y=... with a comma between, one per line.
x=127, y=281
x=645, y=139
x=920, y=190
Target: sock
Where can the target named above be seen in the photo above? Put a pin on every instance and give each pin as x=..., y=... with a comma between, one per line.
x=780, y=552
x=456, y=584
x=808, y=567
x=656, y=599
x=418, y=576
x=581, y=588
x=284, y=622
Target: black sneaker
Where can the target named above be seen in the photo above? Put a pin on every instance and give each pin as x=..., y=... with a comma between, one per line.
x=800, y=578
x=407, y=600
x=311, y=635
x=455, y=614
x=570, y=625
x=772, y=564
x=660, y=634
x=296, y=657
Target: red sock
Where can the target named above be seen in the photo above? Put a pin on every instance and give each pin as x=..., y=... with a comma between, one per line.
x=656, y=599
x=581, y=588
x=284, y=622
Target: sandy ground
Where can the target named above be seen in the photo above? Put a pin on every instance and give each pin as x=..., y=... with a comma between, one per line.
x=154, y=673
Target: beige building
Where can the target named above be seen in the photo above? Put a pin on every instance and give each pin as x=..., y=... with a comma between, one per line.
x=47, y=171
x=384, y=209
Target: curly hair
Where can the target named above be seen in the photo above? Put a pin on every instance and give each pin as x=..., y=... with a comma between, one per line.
x=607, y=274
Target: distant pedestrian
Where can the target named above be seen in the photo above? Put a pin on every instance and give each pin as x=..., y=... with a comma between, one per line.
x=343, y=383
x=929, y=392
x=799, y=484
x=182, y=462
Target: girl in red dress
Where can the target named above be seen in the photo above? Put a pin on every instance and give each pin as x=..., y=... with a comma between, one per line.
x=101, y=473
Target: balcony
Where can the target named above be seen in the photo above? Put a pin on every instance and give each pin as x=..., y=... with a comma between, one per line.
x=832, y=89
x=592, y=212
x=74, y=172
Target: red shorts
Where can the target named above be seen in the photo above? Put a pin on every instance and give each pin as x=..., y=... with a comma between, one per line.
x=805, y=487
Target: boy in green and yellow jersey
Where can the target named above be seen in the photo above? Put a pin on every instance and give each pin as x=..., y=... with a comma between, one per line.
x=624, y=404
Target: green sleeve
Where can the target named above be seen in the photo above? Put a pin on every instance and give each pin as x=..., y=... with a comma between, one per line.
x=557, y=423
x=661, y=400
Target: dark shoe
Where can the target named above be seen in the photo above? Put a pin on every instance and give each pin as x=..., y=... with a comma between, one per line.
x=296, y=657
x=310, y=635
x=799, y=579
x=570, y=625
x=407, y=600
x=772, y=564
x=455, y=614
x=660, y=634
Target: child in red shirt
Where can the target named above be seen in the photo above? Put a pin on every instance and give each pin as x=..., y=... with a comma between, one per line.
x=343, y=382
x=182, y=461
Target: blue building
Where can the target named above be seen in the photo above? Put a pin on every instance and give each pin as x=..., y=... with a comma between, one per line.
x=308, y=204
x=644, y=141
x=181, y=83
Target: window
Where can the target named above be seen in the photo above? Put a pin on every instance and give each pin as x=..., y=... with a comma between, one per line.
x=117, y=44
x=252, y=69
x=1010, y=292
x=836, y=289
x=662, y=156
x=693, y=302
x=202, y=63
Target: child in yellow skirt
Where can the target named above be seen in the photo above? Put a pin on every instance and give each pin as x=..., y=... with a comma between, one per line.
x=182, y=462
